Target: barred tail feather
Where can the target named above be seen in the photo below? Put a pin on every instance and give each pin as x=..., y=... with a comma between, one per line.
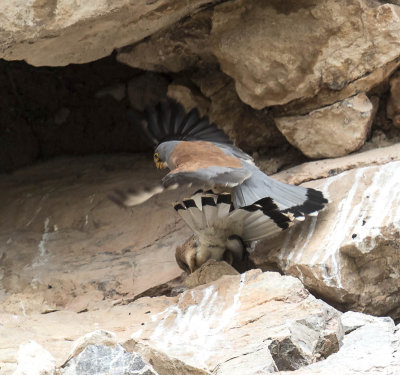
x=202, y=210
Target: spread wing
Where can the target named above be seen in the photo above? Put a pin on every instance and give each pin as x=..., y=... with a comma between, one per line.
x=210, y=176
x=206, y=164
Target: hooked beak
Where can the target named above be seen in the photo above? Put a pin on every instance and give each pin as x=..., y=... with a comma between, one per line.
x=161, y=164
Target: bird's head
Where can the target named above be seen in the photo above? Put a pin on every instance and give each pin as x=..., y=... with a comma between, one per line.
x=162, y=154
x=159, y=162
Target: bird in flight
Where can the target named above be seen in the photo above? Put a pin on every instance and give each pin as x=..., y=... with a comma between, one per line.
x=237, y=203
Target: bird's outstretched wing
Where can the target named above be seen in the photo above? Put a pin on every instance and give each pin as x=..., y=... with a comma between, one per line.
x=168, y=121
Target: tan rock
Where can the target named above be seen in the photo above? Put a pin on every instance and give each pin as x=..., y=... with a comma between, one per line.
x=349, y=253
x=184, y=45
x=234, y=321
x=393, y=104
x=99, y=337
x=378, y=336
x=251, y=130
x=188, y=98
x=332, y=131
x=259, y=321
x=58, y=32
x=278, y=53
x=65, y=244
x=33, y=359
x=209, y=271
x=370, y=81
x=315, y=170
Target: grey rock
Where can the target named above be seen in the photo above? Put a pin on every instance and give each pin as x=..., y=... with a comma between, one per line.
x=102, y=359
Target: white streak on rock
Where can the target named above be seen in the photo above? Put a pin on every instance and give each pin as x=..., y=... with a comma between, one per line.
x=40, y=259
x=198, y=330
x=311, y=229
x=33, y=359
x=379, y=201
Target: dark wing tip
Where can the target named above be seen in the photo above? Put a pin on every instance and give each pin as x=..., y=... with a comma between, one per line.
x=315, y=202
x=168, y=121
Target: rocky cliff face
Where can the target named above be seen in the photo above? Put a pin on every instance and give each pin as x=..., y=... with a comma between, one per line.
x=88, y=287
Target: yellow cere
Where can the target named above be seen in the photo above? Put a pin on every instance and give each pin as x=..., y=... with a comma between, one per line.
x=159, y=164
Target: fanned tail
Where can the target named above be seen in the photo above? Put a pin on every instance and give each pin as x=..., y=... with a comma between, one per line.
x=201, y=211
x=260, y=220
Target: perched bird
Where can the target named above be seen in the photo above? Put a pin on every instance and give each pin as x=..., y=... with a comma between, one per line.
x=222, y=232
x=199, y=154
x=237, y=203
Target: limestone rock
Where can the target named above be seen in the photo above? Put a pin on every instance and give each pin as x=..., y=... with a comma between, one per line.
x=235, y=323
x=257, y=321
x=188, y=98
x=66, y=245
x=59, y=33
x=210, y=271
x=393, y=104
x=102, y=359
x=331, y=167
x=349, y=253
x=33, y=359
x=278, y=52
x=332, y=131
x=182, y=46
x=371, y=348
x=251, y=130
x=99, y=338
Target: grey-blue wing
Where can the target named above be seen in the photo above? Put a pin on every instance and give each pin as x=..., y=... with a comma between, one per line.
x=210, y=177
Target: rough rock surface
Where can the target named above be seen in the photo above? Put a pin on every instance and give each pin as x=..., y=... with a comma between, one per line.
x=102, y=359
x=331, y=131
x=260, y=322
x=210, y=271
x=66, y=245
x=230, y=113
x=33, y=359
x=293, y=50
x=58, y=33
x=330, y=167
x=370, y=346
x=393, y=104
x=349, y=252
x=182, y=46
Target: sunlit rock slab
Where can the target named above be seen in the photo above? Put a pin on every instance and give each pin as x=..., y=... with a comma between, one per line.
x=64, y=244
x=349, y=253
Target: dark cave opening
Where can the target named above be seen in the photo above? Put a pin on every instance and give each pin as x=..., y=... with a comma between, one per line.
x=72, y=110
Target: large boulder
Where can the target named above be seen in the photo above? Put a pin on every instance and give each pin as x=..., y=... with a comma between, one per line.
x=331, y=131
x=278, y=52
x=237, y=324
x=348, y=253
x=60, y=32
x=248, y=324
x=66, y=245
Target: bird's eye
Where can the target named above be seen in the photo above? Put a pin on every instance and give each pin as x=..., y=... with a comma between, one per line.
x=156, y=157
